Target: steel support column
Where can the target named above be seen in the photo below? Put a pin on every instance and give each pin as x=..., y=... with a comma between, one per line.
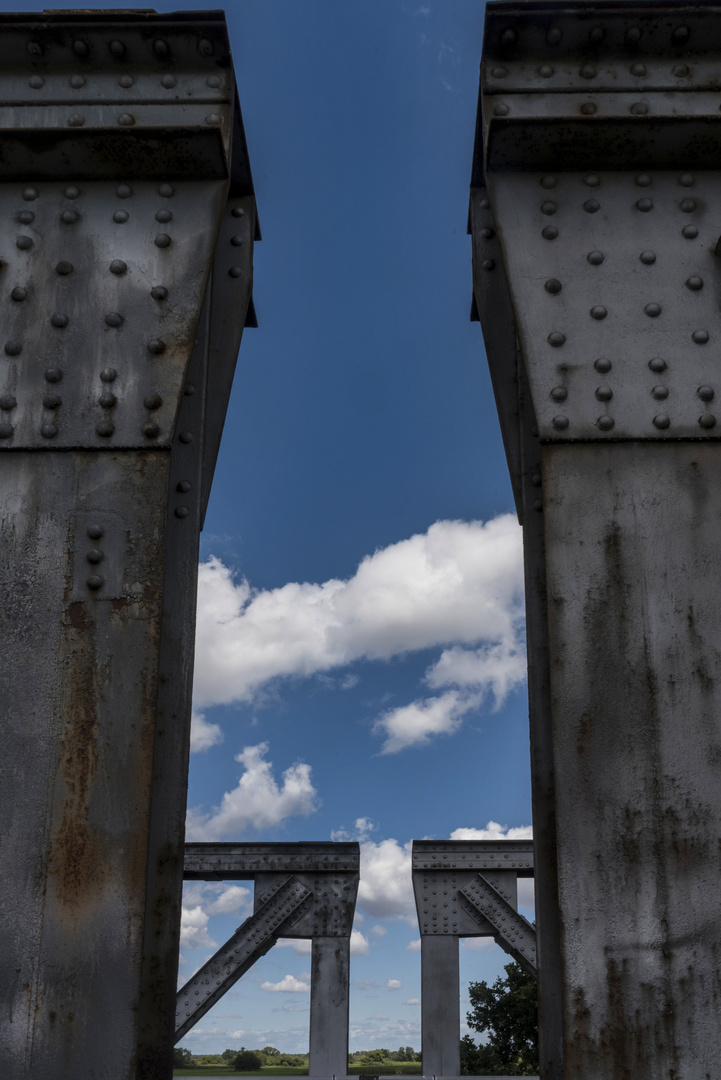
x=128, y=216
x=594, y=213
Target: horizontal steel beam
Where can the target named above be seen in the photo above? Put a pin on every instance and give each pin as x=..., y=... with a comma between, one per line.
x=474, y=855
x=242, y=862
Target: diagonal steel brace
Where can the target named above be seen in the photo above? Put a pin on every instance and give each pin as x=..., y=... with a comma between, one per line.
x=512, y=932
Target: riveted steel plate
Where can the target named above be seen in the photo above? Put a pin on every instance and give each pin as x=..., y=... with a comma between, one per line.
x=332, y=903
x=474, y=855
x=242, y=862
x=513, y=933
x=616, y=286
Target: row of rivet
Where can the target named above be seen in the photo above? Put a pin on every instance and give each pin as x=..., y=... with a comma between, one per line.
x=26, y=243
x=128, y=120
x=660, y=421
x=689, y=232
x=597, y=35
x=156, y=346
x=593, y=180
x=123, y=191
x=587, y=108
x=95, y=556
x=588, y=71
x=605, y=393
x=69, y=217
x=592, y=206
x=113, y=318
x=168, y=82
x=160, y=47
x=557, y=339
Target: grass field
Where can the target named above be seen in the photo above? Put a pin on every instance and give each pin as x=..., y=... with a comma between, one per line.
x=398, y=1068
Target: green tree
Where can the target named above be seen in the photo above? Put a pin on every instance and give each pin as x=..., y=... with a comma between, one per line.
x=375, y=1057
x=228, y=1055
x=507, y=1013
x=182, y=1058
x=247, y=1061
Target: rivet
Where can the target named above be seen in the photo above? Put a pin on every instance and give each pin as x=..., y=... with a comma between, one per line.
x=598, y=312
x=95, y=556
x=105, y=429
x=554, y=35
x=588, y=71
x=52, y=401
x=81, y=48
x=189, y=389
x=688, y=205
x=183, y=486
x=487, y=264
x=559, y=393
x=680, y=34
x=181, y=511
x=548, y=207
x=238, y=211
x=638, y=69
x=69, y=217
x=76, y=81
x=657, y=364
x=680, y=70
x=595, y=258
x=151, y=431
x=76, y=120
x=592, y=180
x=560, y=422
x=643, y=180
x=168, y=81
x=548, y=182
x=694, y=283
x=706, y=393
x=596, y=34
x=213, y=119
x=652, y=310
x=107, y=401
x=123, y=191
x=186, y=436
x=13, y=348
x=61, y=321
x=48, y=431
x=159, y=292
x=499, y=72
x=708, y=420
x=686, y=180
x=605, y=423
x=108, y=374
x=550, y=232
x=166, y=190
x=36, y=82
x=633, y=35
x=486, y=233
x=700, y=336
x=162, y=240
x=126, y=119
x=117, y=48
x=160, y=47
x=602, y=365
x=661, y=421
x=164, y=215
x=500, y=109
x=545, y=71
x=237, y=271
x=95, y=582
x=604, y=393
x=53, y=375
x=536, y=480
x=26, y=217
x=644, y=205
x=117, y=266
x=690, y=232
x=648, y=257
x=660, y=392
x=553, y=286
x=156, y=346
x=589, y=108
x=213, y=81
x=591, y=206
x=153, y=401
x=7, y=402
x=639, y=108
x=114, y=318
x=24, y=243
x=6, y=430
x=126, y=81
x=556, y=339
x=63, y=268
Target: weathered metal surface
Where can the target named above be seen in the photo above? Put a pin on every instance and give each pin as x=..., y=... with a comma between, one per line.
x=242, y=862
x=473, y=855
x=596, y=203
x=253, y=939
x=101, y=480
x=512, y=932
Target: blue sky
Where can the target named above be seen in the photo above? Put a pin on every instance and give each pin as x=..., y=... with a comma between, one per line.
x=360, y=638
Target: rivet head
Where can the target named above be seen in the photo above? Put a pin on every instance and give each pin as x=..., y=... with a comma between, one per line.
x=548, y=182
x=159, y=292
x=30, y=194
x=213, y=119
x=595, y=258
x=53, y=375
x=126, y=119
x=117, y=48
x=638, y=69
x=161, y=47
x=548, y=207
x=648, y=257
x=559, y=393
x=107, y=400
x=688, y=205
x=123, y=191
x=36, y=82
x=639, y=108
x=8, y=402
x=181, y=511
x=76, y=120
x=153, y=401
x=657, y=364
x=536, y=480
x=644, y=205
x=598, y=312
x=500, y=109
x=69, y=217
x=237, y=271
x=13, y=348
x=486, y=233
x=545, y=71
x=556, y=339
x=95, y=556
x=117, y=266
x=591, y=206
x=114, y=318
x=589, y=108
x=487, y=264
x=602, y=365
x=61, y=321
x=550, y=232
x=686, y=180
x=706, y=393
x=213, y=81
x=166, y=191
x=95, y=531
x=183, y=486
x=694, y=283
x=652, y=310
x=52, y=401
x=19, y=293
x=660, y=393
x=24, y=243
x=633, y=35
x=588, y=71
x=592, y=180
x=168, y=81
x=162, y=240
x=105, y=429
x=499, y=72
x=681, y=34
x=81, y=48
x=509, y=36
x=238, y=211
x=108, y=374
x=604, y=393
x=553, y=286
x=95, y=582
x=680, y=70
x=700, y=336
x=643, y=180
x=661, y=420
x=708, y=420
x=554, y=35
x=48, y=431
x=151, y=431
x=156, y=346
x=690, y=232
x=64, y=268
x=120, y=217
x=126, y=81
x=537, y=505
x=560, y=422
x=596, y=34
x=6, y=430
x=605, y=423
x=186, y=436
x=77, y=81
x=26, y=217
x=164, y=216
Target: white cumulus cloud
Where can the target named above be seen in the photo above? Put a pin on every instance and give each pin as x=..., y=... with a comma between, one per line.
x=194, y=929
x=258, y=801
x=287, y=985
x=394, y=984
x=359, y=944
x=203, y=735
